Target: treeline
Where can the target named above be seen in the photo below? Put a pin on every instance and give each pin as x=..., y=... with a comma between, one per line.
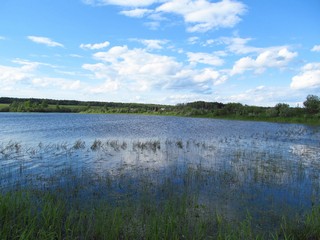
x=51, y=105
x=281, y=112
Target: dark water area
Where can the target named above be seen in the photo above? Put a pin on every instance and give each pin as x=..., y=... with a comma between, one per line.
x=233, y=167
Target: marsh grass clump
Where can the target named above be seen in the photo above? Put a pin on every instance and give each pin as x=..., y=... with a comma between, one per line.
x=179, y=144
x=96, y=145
x=156, y=145
x=307, y=227
x=153, y=145
x=115, y=145
x=79, y=144
x=124, y=145
x=11, y=147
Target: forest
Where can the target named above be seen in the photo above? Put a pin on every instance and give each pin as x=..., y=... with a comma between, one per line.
x=281, y=112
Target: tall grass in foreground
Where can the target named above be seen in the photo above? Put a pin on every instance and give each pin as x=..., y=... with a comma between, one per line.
x=35, y=214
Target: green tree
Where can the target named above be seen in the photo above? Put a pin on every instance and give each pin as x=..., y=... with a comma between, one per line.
x=312, y=104
x=27, y=105
x=283, y=110
x=44, y=104
x=272, y=112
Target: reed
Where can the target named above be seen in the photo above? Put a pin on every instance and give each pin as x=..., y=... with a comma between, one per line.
x=42, y=215
x=153, y=189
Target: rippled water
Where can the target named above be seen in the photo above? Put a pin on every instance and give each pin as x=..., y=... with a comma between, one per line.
x=232, y=166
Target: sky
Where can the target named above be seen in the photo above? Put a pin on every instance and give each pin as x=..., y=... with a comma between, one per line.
x=256, y=52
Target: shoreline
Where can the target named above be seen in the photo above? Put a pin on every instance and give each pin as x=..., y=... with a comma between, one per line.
x=284, y=120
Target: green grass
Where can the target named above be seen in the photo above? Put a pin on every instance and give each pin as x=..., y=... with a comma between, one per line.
x=3, y=105
x=43, y=215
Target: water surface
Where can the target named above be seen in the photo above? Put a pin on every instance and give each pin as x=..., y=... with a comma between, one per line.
x=232, y=167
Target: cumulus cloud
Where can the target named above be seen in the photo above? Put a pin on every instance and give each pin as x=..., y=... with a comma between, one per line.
x=10, y=75
x=269, y=58
x=202, y=15
x=136, y=13
x=124, y=3
x=262, y=96
x=204, y=58
x=316, y=48
x=193, y=40
x=140, y=70
x=236, y=45
x=139, y=61
x=60, y=83
x=27, y=75
x=152, y=43
x=239, y=45
x=308, y=78
x=199, y=15
x=44, y=40
x=107, y=86
x=95, y=46
x=153, y=25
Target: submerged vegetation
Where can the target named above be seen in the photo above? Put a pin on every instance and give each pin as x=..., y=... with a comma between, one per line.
x=281, y=112
x=161, y=189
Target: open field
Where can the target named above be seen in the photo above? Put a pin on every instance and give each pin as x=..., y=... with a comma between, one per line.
x=3, y=105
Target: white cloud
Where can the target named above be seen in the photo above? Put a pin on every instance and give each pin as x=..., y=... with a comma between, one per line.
x=308, y=78
x=205, y=58
x=235, y=45
x=184, y=98
x=239, y=45
x=202, y=15
x=124, y=3
x=2, y=38
x=193, y=40
x=153, y=25
x=61, y=83
x=262, y=96
x=107, y=86
x=95, y=46
x=122, y=68
x=277, y=57
x=27, y=78
x=199, y=15
x=11, y=75
x=152, y=43
x=316, y=48
x=44, y=40
x=138, y=61
x=255, y=95
x=136, y=13
x=75, y=55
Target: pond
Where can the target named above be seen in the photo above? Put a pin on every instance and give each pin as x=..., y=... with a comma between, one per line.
x=232, y=167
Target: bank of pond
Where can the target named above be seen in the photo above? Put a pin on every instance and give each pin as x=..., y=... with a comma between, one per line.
x=309, y=113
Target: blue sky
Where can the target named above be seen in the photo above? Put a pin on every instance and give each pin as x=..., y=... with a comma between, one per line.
x=161, y=51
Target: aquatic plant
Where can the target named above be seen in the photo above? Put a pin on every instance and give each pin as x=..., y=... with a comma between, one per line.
x=96, y=145
x=248, y=183
x=79, y=144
